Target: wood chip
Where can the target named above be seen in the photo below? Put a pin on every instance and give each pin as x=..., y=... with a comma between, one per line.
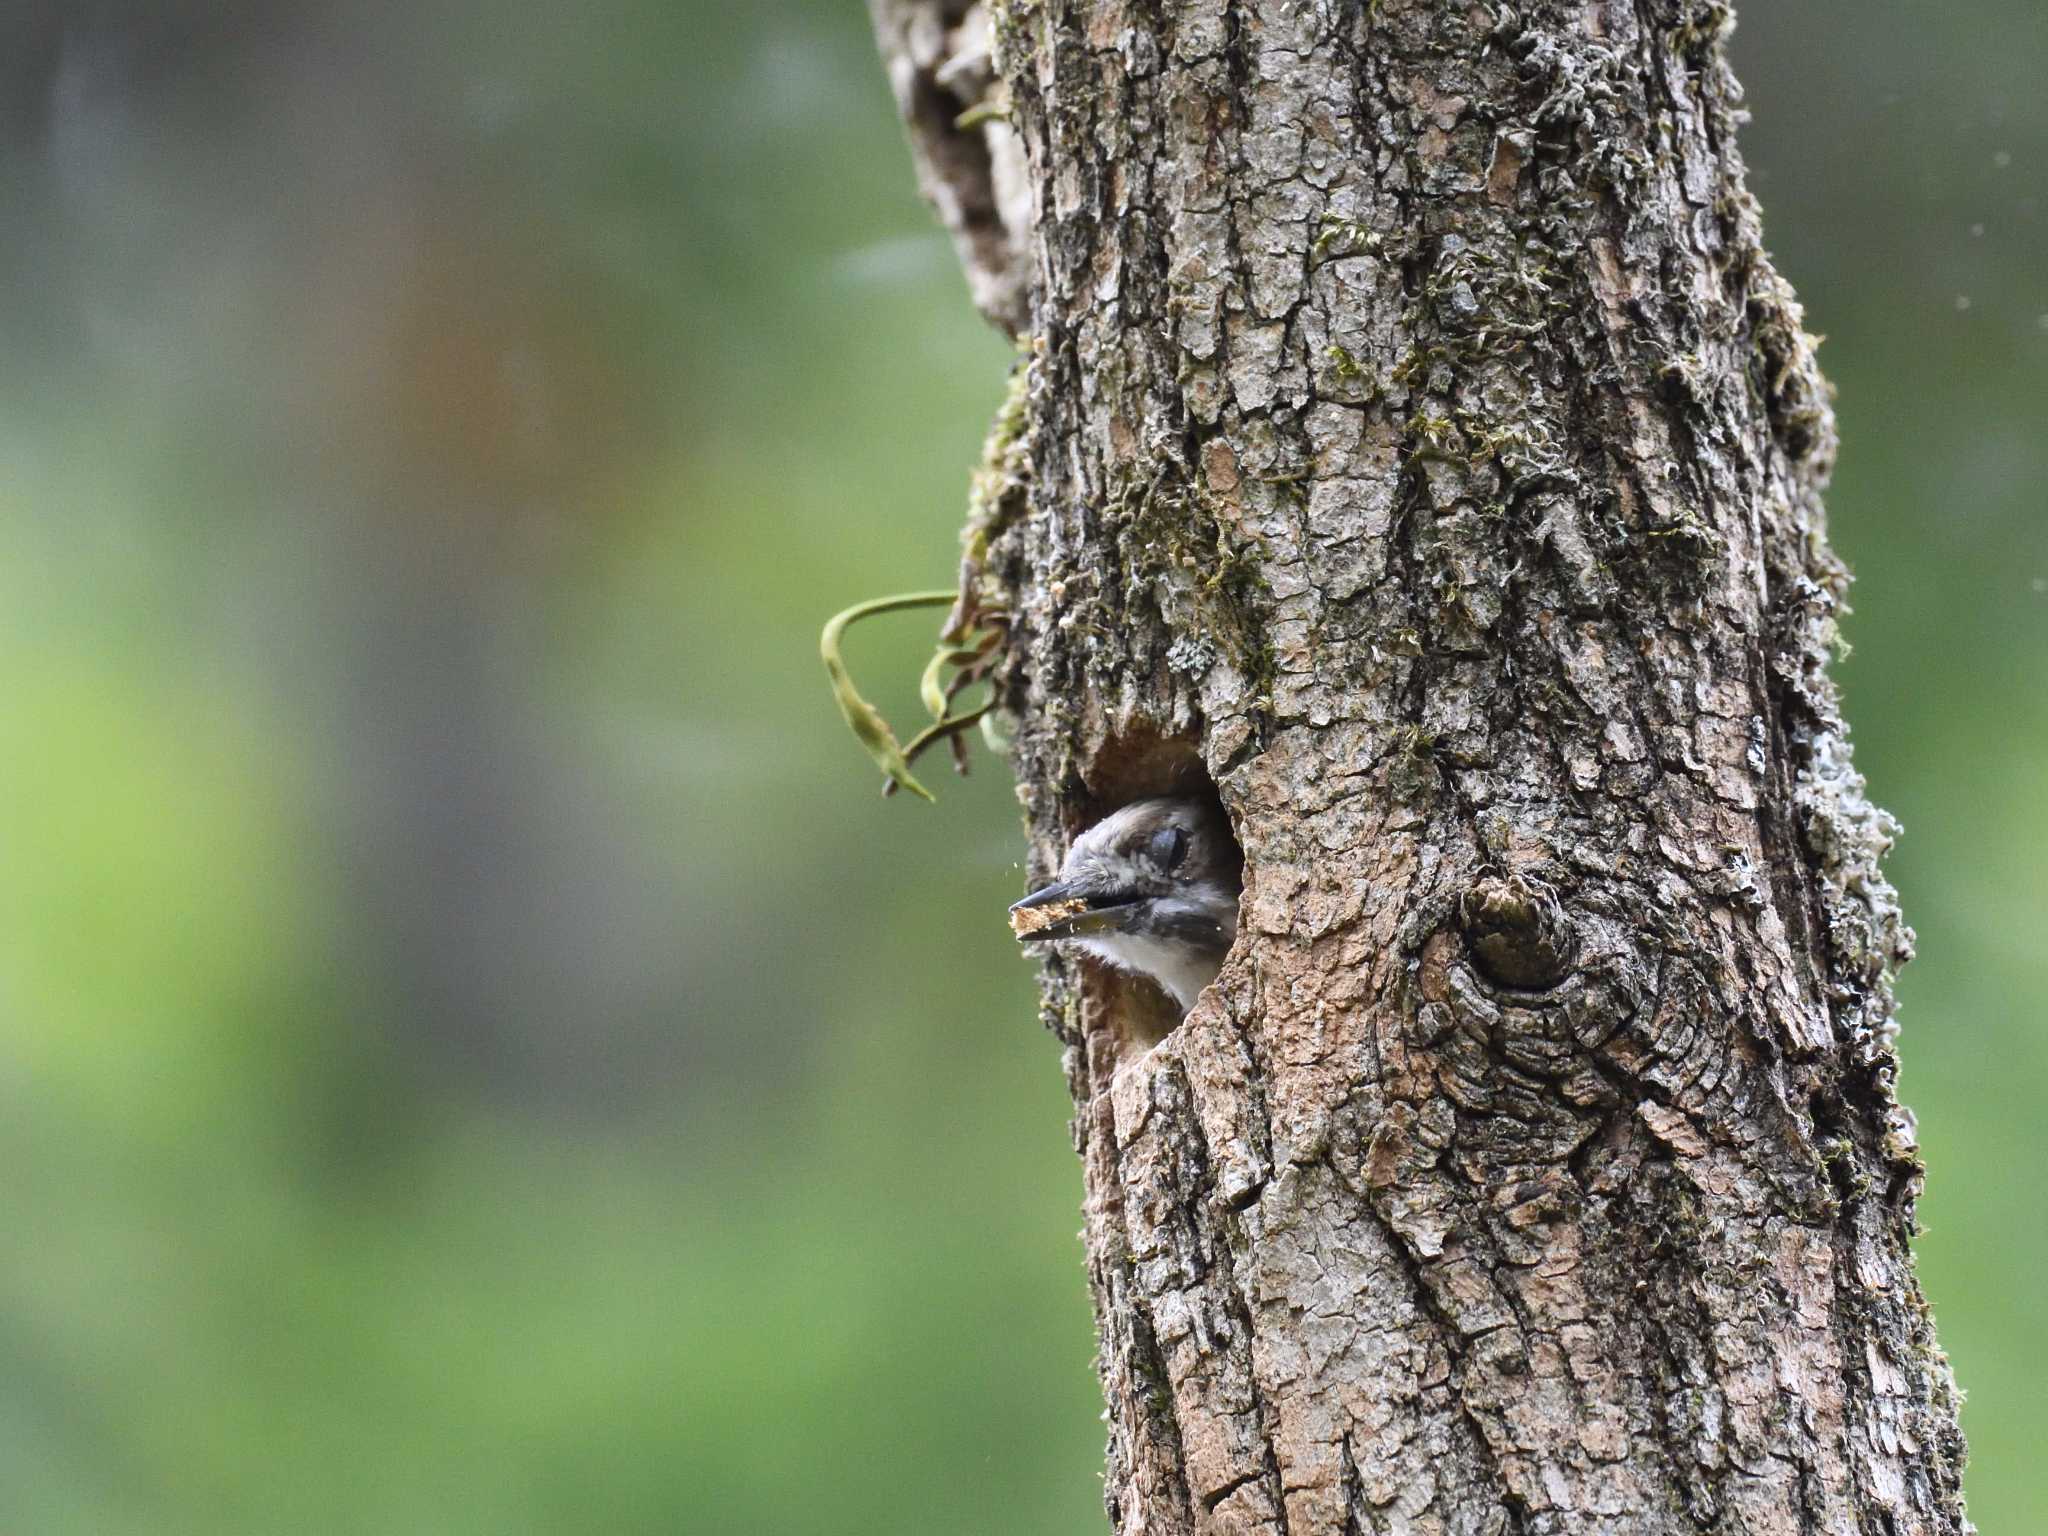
x=1025, y=921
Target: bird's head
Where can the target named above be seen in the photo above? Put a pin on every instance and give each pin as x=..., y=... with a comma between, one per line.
x=1150, y=888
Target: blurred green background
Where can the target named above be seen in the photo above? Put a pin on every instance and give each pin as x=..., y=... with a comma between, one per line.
x=476, y=1055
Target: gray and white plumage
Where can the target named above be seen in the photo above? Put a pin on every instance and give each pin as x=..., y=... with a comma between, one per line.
x=1161, y=879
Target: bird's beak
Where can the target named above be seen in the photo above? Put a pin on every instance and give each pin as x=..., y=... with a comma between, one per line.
x=1105, y=910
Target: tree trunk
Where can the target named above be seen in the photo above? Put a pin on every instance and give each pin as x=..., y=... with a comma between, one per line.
x=1421, y=451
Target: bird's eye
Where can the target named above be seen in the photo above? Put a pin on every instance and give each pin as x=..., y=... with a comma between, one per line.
x=1169, y=847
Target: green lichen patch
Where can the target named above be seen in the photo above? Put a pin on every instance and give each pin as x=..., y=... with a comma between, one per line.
x=1182, y=538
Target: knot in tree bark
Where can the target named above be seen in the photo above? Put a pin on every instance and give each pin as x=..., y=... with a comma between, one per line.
x=1517, y=933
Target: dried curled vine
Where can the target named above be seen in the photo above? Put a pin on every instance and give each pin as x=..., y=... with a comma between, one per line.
x=969, y=647
x=977, y=627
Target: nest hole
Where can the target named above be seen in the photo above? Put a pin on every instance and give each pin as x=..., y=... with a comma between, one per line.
x=1125, y=1013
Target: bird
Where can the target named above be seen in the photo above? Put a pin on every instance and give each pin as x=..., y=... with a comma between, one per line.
x=1150, y=888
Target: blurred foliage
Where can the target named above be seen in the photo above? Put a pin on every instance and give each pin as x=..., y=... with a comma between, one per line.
x=477, y=1056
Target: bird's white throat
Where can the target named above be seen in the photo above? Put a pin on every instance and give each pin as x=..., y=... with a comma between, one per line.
x=1174, y=966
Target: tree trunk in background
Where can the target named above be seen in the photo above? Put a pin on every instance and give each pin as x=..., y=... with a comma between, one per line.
x=1420, y=447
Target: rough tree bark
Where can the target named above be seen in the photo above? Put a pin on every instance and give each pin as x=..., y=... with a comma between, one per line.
x=1417, y=446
